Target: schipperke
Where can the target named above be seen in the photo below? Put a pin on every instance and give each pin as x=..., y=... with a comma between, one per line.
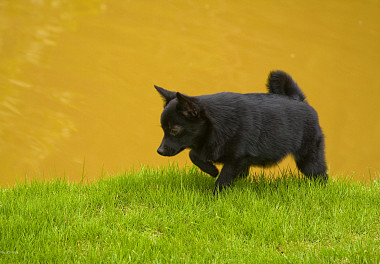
x=243, y=130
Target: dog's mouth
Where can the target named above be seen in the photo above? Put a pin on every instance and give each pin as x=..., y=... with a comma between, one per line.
x=165, y=151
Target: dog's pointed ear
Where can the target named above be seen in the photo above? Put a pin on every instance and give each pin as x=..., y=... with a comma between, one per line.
x=188, y=106
x=165, y=94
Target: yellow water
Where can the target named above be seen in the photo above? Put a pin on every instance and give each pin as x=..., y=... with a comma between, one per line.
x=76, y=77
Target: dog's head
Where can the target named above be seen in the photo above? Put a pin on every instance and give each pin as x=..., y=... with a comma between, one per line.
x=182, y=121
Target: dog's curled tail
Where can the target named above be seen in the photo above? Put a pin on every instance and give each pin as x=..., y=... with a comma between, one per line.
x=280, y=82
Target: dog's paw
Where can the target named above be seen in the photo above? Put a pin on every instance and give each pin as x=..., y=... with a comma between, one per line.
x=214, y=172
x=220, y=186
x=210, y=169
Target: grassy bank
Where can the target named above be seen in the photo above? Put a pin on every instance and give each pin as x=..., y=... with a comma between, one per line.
x=170, y=215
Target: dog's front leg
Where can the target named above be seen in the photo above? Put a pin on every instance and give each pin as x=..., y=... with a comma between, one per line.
x=205, y=166
x=228, y=173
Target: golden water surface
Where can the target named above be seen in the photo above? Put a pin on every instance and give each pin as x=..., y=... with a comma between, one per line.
x=76, y=77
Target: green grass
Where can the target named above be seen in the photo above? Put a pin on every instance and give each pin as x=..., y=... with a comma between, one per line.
x=170, y=215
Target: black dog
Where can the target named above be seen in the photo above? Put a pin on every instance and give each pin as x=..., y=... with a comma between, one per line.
x=243, y=130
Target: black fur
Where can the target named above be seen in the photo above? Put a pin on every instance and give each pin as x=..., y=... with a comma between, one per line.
x=280, y=82
x=243, y=130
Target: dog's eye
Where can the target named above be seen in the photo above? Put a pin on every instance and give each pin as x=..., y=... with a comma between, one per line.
x=175, y=131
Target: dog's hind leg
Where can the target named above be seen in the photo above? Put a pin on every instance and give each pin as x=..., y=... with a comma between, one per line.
x=205, y=166
x=313, y=163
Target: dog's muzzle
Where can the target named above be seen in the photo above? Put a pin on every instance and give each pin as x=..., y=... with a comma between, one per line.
x=163, y=150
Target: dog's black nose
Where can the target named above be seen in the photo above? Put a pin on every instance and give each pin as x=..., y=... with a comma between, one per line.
x=160, y=151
